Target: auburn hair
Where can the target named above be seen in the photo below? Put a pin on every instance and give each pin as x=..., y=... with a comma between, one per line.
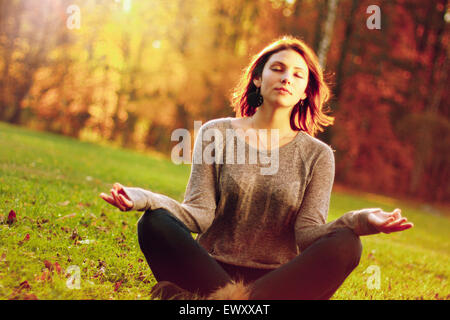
x=307, y=115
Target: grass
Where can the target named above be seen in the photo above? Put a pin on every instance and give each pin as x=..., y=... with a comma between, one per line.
x=53, y=182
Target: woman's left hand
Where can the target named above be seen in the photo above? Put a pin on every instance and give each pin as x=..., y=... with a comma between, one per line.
x=118, y=198
x=388, y=222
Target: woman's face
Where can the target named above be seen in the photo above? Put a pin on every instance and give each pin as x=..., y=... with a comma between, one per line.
x=284, y=79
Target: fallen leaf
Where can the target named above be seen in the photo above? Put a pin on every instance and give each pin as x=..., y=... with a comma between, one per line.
x=65, y=203
x=87, y=241
x=117, y=285
x=24, y=285
x=82, y=205
x=45, y=276
x=100, y=273
x=17, y=292
x=67, y=216
x=75, y=236
x=12, y=217
x=142, y=278
x=27, y=237
x=58, y=268
x=103, y=229
x=441, y=277
x=65, y=229
x=48, y=265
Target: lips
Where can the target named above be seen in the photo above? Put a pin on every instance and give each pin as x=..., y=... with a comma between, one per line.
x=283, y=90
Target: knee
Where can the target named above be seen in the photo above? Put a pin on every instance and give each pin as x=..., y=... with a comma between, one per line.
x=147, y=220
x=151, y=222
x=158, y=225
x=348, y=248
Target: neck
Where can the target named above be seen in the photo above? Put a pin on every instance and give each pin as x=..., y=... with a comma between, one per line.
x=273, y=118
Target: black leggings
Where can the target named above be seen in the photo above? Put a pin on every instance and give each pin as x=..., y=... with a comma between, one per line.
x=173, y=255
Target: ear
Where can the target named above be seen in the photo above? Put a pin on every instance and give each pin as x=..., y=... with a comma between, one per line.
x=257, y=81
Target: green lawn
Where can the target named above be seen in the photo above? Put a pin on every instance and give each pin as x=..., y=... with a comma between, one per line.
x=53, y=182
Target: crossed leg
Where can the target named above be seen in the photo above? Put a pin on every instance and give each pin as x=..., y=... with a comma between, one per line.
x=173, y=255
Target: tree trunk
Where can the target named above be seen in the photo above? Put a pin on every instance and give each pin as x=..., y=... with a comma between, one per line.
x=423, y=143
x=349, y=28
x=9, y=32
x=18, y=98
x=321, y=6
x=328, y=32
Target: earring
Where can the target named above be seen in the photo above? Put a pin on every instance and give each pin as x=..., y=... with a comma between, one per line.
x=255, y=99
x=302, y=103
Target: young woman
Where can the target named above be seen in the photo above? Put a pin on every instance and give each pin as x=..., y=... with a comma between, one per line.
x=261, y=236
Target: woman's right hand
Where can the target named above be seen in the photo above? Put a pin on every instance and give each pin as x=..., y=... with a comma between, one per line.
x=118, y=198
x=388, y=222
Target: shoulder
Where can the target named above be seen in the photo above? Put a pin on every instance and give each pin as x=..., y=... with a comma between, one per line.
x=316, y=152
x=219, y=123
x=316, y=146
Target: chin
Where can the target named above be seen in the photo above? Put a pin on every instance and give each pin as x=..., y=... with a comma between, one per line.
x=283, y=104
x=279, y=103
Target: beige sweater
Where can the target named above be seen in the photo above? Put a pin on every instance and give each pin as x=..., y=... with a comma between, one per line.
x=251, y=219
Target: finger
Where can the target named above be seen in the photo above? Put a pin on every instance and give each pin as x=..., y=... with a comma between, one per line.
x=397, y=213
x=113, y=195
x=103, y=195
x=116, y=199
x=402, y=227
x=122, y=202
x=399, y=227
x=121, y=191
x=119, y=201
x=396, y=222
x=128, y=203
x=107, y=198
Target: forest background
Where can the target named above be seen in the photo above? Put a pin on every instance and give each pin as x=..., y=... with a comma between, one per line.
x=131, y=72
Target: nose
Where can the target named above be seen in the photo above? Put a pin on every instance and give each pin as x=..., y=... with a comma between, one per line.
x=285, y=79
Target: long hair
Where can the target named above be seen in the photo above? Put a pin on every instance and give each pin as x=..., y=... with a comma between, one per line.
x=307, y=115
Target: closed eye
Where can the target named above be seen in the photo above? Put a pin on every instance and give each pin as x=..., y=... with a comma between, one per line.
x=297, y=74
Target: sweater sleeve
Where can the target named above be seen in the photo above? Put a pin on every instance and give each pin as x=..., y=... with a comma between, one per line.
x=311, y=223
x=197, y=211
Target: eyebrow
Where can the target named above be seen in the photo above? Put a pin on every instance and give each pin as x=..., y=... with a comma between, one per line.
x=279, y=62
